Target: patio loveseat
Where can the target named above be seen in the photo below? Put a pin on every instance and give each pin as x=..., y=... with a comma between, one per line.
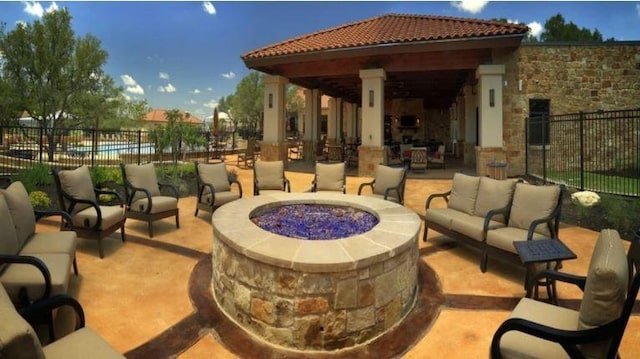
x=490, y=214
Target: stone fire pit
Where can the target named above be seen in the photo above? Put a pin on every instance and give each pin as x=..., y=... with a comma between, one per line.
x=315, y=295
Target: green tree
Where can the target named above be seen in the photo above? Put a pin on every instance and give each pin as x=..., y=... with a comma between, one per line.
x=54, y=76
x=247, y=101
x=224, y=105
x=556, y=29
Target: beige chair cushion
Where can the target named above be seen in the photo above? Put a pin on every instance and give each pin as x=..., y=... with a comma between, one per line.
x=464, y=192
x=110, y=215
x=473, y=226
x=532, y=202
x=9, y=238
x=493, y=194
x=330, y=176
x=21, y=210
x=159, y=204
x=444, y=216
x=17, y=339
x=516, y=344
x=77, y=183
x=504, y=237
x=387, y=177
x=269, y=175
x=81, y=344
x=63, y=242
x=216, y=175
x=143, y=176
x=17, y=276
x=605, y=289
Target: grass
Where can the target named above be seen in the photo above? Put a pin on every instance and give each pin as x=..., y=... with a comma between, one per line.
x=597, y=182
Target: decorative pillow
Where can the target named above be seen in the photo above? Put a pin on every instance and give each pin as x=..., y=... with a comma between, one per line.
x=216, y=175
x=269, y=174
x=605, y=289
x=493, y=194
x=77, y=183
x=24, y=219
x=533, y=202
x=387, y=177
x=464, y=191
x=17, y=338
x=9, y=238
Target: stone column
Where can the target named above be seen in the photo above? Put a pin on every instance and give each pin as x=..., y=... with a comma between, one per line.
x=332, y=121
x=490, y=147
x=273, y=146
x=470, y=126
x=371, y=152
x=312, y=109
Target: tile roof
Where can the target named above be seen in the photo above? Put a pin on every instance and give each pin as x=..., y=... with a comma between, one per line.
x=159, y=116
x=389, y=29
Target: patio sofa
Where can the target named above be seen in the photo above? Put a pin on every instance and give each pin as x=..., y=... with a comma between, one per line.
x=489, y=214
x=33, y=265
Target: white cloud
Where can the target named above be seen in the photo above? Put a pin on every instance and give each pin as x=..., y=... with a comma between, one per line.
x=195, y=92
x=638, y=9
x=20, y=23
x=471, y=6
x=131, y=85
x=193, y=102
x=535, y=28
x=209, y=89
x=211, y=104
x=228, y=75
x=163, y=75
x=168, y=88
x=208, y=7
x=34, y=8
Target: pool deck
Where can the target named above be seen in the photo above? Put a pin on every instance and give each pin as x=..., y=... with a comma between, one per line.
x=140, y=292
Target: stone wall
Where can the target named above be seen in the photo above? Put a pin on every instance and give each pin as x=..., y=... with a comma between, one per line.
x=573, y=77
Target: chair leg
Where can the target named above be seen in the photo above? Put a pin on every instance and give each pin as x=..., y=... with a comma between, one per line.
x=75, y=266
x=150, y=223
x=424, y=234
x=196, y=212
x=177, y=220
x=483, y=262
x=122, y=233
x=100, y=248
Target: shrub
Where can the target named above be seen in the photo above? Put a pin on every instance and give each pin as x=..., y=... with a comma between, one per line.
x=103, y=175
x=34, y=177
x=39, y=199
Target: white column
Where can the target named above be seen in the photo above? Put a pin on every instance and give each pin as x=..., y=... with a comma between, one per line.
x=312, y=110
x=274, y=109
x=470, y=104
x=490, y=104
x=372, y=106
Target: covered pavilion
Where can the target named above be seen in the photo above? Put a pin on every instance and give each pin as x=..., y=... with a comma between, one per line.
x=434, y=69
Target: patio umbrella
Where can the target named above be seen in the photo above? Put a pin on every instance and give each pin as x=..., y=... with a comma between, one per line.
x=215, y=122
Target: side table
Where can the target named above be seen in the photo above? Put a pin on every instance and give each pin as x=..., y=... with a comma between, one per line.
x=540, y=251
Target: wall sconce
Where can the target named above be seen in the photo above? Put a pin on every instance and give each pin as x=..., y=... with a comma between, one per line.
x=270, y=100
x=370, y=98
x=417, y=122
x=492, y=98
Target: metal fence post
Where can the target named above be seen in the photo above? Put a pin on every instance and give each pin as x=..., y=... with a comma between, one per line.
x=581, y=151
x=139, y=146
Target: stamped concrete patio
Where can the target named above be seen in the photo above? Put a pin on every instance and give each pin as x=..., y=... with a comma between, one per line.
x=145, y=297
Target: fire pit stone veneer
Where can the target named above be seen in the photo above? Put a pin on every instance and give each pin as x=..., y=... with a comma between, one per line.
x=315, y=294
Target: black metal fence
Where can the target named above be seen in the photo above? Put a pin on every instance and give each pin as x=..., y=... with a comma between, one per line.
x=21, y=147
x=596, y=151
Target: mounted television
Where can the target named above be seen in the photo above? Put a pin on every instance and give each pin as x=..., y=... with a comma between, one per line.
x=408, y=121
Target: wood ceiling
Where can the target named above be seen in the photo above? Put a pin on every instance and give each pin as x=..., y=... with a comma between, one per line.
x=433, y=73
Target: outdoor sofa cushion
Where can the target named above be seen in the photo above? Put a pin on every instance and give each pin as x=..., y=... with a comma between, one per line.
x=532, y=202
x=77, y=183
x=387, y=177
x=215, y=174
x=269, y=175
x=330, y=176
x=464, y=192
x=20, y=210
x=143, y=176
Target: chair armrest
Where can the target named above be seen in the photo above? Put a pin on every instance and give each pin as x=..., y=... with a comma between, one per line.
x=42, y=309
x=170, y=186
x=551, y=275
x=492, y=213
x=396, y=189
x=99, y=191
x=444, y=195
x=34, y=261
x=366, y=184
x=568, y=339
x=548, y=220
x=133, y=194
x=50, y=213
x=211, y=189
x=239, y=186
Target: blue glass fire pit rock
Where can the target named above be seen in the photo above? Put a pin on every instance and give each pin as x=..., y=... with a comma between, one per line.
x=315, y=221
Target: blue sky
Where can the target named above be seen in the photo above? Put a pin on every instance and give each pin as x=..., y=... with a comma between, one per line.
x=186, y=54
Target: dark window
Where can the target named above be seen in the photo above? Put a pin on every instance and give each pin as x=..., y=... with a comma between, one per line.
x=538, y=123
